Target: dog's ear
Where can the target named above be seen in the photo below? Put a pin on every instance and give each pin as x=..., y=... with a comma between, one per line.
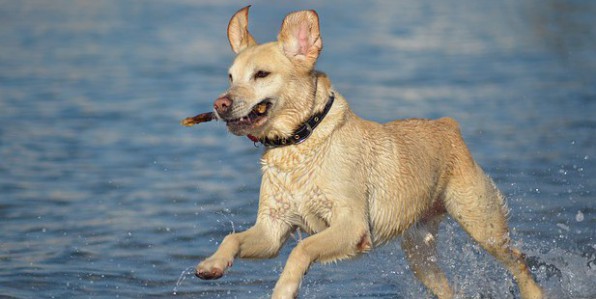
x=238, y=34
x=300, y=37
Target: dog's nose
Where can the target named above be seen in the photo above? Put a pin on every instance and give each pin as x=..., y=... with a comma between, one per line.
x=222, y=104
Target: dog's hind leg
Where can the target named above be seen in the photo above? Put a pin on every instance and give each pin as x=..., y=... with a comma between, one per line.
x=419, y=245
x=474, y=201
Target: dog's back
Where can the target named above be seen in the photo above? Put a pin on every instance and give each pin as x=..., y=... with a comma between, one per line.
x=407, y=164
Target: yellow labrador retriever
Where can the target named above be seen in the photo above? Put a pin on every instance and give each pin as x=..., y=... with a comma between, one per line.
x=351, y=184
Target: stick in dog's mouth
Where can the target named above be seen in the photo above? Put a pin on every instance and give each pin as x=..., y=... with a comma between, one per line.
x=258, y=110
x=201, y=118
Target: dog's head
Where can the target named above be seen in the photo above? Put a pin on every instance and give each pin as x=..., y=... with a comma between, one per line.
x=272, y=85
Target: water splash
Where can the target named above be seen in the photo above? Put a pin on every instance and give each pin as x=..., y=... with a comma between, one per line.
x=228, y=219
x=188, y=271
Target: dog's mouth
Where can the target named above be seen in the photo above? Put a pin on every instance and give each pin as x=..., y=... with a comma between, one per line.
x=255, y=118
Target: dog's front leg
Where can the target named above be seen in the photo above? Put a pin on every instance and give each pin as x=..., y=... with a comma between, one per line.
x=345, y=238
x=263, y=240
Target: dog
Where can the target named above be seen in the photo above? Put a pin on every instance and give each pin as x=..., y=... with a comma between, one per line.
x=351, y=184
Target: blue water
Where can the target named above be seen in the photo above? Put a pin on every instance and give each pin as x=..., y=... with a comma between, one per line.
x=104, y=195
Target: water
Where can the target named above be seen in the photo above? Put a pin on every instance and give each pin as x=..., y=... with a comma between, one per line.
x=104, y=195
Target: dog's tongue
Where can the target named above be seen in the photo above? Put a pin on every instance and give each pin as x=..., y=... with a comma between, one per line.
x=252, y=138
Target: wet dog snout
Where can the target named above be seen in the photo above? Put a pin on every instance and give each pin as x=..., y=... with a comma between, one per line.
x=222, y=105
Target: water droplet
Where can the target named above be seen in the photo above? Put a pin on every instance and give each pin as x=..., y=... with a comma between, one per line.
x=563, y=226
x=579, y=217
x=182, y=277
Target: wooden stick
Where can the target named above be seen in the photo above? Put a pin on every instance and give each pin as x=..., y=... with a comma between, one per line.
x=201, y=118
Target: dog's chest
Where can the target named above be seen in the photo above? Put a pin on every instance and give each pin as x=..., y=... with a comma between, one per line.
x=293, y=190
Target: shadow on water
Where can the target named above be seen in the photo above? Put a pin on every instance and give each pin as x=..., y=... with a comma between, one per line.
x=103, y=194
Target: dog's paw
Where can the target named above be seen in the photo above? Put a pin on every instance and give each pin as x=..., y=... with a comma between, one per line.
x=212, y=268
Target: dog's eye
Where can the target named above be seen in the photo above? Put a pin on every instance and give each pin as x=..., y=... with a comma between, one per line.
x=230, y=77
x=261, y=74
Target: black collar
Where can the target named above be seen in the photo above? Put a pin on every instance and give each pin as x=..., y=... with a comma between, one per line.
x=304, y=131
